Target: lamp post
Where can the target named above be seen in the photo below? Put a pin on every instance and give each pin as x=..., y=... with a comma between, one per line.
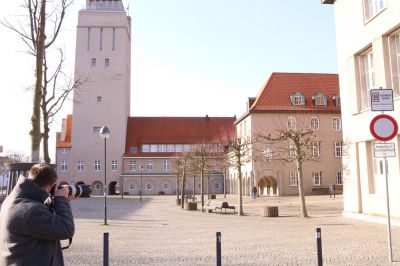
x=141, y=179
x=105, y=134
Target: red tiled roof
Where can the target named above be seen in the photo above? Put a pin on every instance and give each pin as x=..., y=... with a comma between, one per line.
x=65, y=143
x=175, y=130
x=275, y=94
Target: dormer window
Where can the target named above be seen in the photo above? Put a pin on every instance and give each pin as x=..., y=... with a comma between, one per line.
x=336, y=100
x=297, y=99
x=319, y=99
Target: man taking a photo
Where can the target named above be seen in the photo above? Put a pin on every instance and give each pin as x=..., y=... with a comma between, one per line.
x=32, y=223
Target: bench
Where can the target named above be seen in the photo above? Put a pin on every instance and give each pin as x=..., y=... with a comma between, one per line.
x=215, y=205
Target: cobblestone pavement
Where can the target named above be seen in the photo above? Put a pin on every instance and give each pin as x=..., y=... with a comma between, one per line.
x=157, y=232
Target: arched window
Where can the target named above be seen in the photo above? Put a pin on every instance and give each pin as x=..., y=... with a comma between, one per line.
x=291, y=122
x=319, y=99
x=314, y=123
x=297, y=99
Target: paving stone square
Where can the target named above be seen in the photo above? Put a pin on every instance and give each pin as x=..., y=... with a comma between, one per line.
x=158, y=232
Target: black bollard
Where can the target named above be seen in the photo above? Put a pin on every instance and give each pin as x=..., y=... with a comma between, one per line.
x=319, y=247
x=105, y=250
x=218, y=248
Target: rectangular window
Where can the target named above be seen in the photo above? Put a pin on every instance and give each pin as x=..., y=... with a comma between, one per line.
x=367, y=77
x=394, y=43
x=88, y=39
x=315, y=148
x=154, y=148
x=293, y=179
x=132, y=166
x=179, y=148
x=373, y=8
x=317, y=178
x=336, y=124
x=314, y=123
x=64, y=150
x=64, y=165
x=298, y=100
x=145, y=148
x=107, y=62
x=320, y=100
x=97, y=166
x=80, y=165
x=101, y=39
x=93, y=62
x=291, y=122
x=339, y=178
x=338, y=149
x=149, y=165
x=186, y=148
x=133, y=150
x=171, y=148
x=96, y=129
x=113, y=39
x=166, y=165
x=162, y=148
x=99, y=99
x=114, y=165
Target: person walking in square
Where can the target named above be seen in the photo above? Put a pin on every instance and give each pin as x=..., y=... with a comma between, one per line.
x=254, y=192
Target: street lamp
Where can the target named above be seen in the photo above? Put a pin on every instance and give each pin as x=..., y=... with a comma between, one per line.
x=141, y=179
x=105, y=134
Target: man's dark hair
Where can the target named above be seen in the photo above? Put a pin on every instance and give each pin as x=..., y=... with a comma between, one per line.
x=43, y=174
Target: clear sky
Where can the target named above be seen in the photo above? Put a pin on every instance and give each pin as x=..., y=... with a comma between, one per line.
x=189, y=57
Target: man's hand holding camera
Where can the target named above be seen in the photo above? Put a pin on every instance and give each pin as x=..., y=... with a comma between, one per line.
x=63, y=191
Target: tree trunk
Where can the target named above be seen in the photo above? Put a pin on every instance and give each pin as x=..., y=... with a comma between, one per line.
x=35, y=133
x=194, y=185
x=202, y=188
x=240, y=212
x=303, y=213
x=183, y=189
x=46, y=131
x=208, y=186
x=177, y=188
x=225, y=183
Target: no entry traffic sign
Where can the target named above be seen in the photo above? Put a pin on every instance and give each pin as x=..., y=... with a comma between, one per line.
x=383, y=127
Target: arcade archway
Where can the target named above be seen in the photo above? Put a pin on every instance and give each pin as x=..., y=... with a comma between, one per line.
x=268, y=186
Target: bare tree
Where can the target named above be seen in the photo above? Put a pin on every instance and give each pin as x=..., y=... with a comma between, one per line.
x=288, y=145
x=178, y=168
x=182, y=164
x=222, y=163
x=201, y=156
x=37, y=39
x=239, y=154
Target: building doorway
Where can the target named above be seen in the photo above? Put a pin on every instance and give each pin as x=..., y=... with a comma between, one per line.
x=113, y=188
x=268, y=186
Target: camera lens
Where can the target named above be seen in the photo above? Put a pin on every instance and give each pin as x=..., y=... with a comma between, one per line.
x=79, y=191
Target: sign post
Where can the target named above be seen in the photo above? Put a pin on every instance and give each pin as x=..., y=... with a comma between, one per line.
x=384, y=127
x=382, y=100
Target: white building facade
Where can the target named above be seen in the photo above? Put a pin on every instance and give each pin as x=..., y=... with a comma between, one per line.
x=368, y=45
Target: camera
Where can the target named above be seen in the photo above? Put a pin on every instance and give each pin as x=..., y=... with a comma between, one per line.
x=77, y=191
